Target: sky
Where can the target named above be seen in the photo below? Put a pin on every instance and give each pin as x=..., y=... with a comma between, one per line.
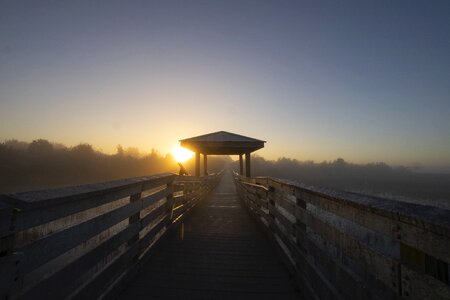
x=367, y=81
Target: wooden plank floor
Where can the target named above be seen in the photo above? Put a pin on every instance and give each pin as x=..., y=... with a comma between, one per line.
x=222, y=254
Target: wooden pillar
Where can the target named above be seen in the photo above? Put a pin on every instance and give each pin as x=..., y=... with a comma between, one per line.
x=134, y=219
x=247, y=165
x=205, y=164
x=197, y=164
x=169, y=202
x=241, y=165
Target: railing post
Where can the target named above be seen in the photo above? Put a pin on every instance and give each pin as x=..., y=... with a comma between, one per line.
x=169, y=200
x=7, y=228
x=134, y=218
x=11, y=277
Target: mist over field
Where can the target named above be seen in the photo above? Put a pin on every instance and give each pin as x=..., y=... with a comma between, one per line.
x=376, y=179
x=41, y=164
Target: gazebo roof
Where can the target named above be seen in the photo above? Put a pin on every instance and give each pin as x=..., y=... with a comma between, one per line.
x=222, y=143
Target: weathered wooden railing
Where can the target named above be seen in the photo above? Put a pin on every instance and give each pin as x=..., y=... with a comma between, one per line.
x=84, y=242
x=347, y=246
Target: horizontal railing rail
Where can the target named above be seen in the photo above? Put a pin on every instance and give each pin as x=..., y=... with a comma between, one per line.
x=83, y=242
x=348, y=246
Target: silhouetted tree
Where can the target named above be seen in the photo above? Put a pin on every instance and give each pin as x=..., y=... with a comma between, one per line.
x=120, y=151
x=40, y=147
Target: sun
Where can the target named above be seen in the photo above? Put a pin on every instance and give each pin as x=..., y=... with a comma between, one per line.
x=181, y=154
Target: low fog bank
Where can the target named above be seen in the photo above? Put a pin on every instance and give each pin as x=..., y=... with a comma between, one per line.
x=376, y=179
x=42, y=164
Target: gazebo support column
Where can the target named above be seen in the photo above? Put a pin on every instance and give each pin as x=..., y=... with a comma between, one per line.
x=197, y=164
x=247, y=164
x=241, y=165
x=205, y=164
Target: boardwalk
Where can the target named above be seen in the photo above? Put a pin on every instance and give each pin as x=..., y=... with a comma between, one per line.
x=218, y=253
x=87, y=242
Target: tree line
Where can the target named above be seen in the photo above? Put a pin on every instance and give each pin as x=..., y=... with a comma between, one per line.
x=42, y=164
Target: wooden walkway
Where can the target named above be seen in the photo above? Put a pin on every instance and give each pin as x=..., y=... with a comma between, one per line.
x=218, y=253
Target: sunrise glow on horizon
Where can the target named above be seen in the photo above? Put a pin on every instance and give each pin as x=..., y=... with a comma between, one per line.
x=181, y=154
x=367, y=82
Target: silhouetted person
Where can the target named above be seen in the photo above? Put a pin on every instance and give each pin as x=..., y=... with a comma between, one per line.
x=182, y=170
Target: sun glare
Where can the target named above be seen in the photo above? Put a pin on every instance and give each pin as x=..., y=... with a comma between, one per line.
x=181, y=154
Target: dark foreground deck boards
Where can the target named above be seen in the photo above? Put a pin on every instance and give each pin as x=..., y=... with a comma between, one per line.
x=221, y=255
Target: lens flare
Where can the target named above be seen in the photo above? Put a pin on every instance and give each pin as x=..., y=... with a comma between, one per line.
x=181, y=154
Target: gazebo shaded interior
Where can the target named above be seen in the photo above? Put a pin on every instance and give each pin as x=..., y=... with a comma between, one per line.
x=222, y=143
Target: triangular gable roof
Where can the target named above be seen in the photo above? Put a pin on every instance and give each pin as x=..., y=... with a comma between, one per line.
x=221, y=136
x=222, y=142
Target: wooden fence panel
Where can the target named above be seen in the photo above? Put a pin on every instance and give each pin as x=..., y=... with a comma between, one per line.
x=346, y=245
x=47, y=253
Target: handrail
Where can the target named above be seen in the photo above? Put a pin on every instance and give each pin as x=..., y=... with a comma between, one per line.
x=344, y=245
x=85, y=241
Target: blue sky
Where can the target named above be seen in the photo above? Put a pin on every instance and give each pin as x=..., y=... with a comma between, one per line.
x=366, y=81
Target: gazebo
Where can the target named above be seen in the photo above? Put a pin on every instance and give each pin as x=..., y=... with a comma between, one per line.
x=222, y=143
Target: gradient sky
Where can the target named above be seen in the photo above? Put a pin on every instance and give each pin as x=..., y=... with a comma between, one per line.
x=366, y=81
